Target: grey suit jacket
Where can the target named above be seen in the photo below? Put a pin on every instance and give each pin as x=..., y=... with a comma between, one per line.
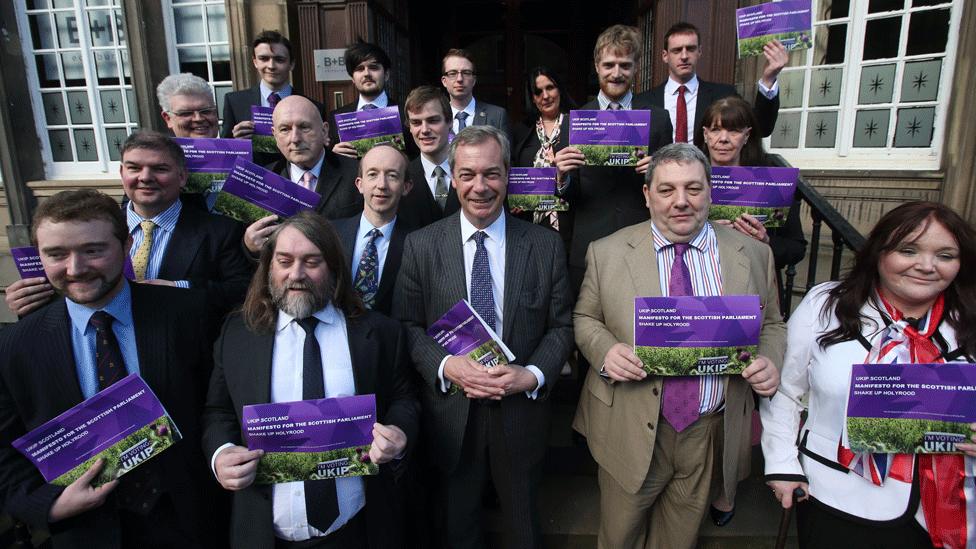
x=487, y=114
x=537, y=328
x=618, y=419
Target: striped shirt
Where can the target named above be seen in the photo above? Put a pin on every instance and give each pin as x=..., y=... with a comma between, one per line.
x=706, y=279
x=165, y=224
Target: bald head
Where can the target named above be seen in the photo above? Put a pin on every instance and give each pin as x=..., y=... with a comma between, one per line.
x=383, y=182
x=299, y=131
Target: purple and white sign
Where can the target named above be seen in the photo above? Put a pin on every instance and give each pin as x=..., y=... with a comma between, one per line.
x=789, y=21
x=261, y=116
x=696, y=335
x=910, y=408
x=209, y=160
x=311, y=439
x=125, y=424
x=610, y=138
x=766, y=193
x=368, y=128
x=534, y=189
x=28, y=262
x=461, y=331
x=252, y=192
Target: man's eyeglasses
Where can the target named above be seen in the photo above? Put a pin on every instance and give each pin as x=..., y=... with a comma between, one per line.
x=210, y=111
x=454, y=74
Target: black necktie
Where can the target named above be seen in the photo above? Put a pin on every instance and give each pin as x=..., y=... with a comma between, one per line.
x=321, y=500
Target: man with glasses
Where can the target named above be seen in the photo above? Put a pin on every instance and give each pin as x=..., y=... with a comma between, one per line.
x=458, y=76
x=187, y=104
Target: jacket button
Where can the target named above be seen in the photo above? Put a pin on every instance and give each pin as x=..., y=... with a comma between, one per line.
x=654, y=391
x=650, y=425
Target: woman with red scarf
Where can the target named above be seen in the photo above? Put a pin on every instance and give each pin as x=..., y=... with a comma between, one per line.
x=909, y=298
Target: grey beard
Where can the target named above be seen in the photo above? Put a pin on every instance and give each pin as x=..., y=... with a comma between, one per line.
x=300, y=305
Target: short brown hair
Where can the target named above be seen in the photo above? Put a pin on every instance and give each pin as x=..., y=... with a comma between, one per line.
x=458, y=52
x=618, y=38
x=681, y=27
x=155, y=141
x=81, y=205
x=422, y=95
x=259, y=311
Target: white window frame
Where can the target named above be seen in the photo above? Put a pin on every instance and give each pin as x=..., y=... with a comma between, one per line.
x=169, y=24
x=844, y=155
x=101, y=169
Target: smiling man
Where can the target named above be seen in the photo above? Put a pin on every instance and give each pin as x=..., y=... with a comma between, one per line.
x=458, y=76
x=656, y=459
x=187, y=104
x=373, y=240
x=513, y=274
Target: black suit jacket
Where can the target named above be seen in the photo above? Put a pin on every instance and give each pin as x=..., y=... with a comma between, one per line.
x=347, y=229
x=419, y=207
x=605, y=199
x=536, y=327
x=766, y=110
x=38, y=381
x=336, y=185
x=205, y=249
x=242, y=376
x=237, y=108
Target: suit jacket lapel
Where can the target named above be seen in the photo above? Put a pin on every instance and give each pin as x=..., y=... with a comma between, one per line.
x=734, y=265
x=56, y=357
x=393, y=256
x=328, y=180
x=183, y=246
x=642, y=261
x=517, y=252
x=152, y=336
x=702, y=102
x=452, y=256
x=363, y=356
x=347, y=236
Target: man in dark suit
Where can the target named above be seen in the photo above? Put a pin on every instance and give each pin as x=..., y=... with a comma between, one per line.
x=373, y=240
x=174, y=243
x=301, y=138
x=61, y=354
x=606, y=198
x=682, y=49
x=302, y=298
x=432, y=197
x=458, y=76
x=513, y=274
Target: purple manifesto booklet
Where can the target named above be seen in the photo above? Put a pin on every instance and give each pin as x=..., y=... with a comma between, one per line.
x=262, y=139
x=789, y=22
x=252, y=192
x=610, y=138
x=28, y=262
x=461, y=331
x=125, y=424
x=365, y=129
x=910, y=408
x=766, y=193
x=208, y=161
x=312, y=439
x=534, y=189
x=692, y=335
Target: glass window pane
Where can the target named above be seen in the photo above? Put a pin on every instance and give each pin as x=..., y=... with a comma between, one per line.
x=100, y=28
x=830, y=44
x=60, y=145
x=929, y=2
x=821, y=130
x=915, y=127
x=106, y=67
x=97, y=2
x=825, y=87
x=791, y=89
x=928, y=32
x=85, y=146
x=79, y=107
x=38, y=4
x=42, y=32
x=871, y=128
x=48, y=74
x=189, y=24
x=130, y=98
x=220, y=92
x=881, y=38
x=217, y=23
x=64, y=3
x=786, y=133
x=113, y=112
x=920, y=81
x=877, y=84
x=220, y=63
x=119, y=26
x=54, y=109
x=875, y=6
x=194, y=60
x=67, y=25
x=115, y=138
x=74, y=69
x=126, y=72
x=833, y=10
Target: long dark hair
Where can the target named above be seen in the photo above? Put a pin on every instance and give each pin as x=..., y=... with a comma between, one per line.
x=733, y=113
x=566, y=102
x=858, y=287
x=260, y=313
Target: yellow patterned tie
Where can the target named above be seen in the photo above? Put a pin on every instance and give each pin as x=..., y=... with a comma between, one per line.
x=140, y=262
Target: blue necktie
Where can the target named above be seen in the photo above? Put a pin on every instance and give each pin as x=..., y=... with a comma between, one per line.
x=482, y=296
x=461, y=118
x=367, y=273
x=109, y=364
x=368, y=107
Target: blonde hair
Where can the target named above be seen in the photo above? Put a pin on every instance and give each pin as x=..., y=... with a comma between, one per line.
x=618, y=38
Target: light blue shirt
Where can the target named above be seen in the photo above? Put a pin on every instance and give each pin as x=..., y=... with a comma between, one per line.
x=284, y=92
x=467, y=122
x=83, y=337
x=165, y=224
x=381, y=101
x=382, y=245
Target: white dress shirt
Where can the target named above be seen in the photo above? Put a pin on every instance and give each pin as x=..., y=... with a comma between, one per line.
x=295, y=173
x=381, y=101
x=429, y=166
x=382, y=245
x=495, y=246
x=284, y=92
x=691, y=101
x=470, y=120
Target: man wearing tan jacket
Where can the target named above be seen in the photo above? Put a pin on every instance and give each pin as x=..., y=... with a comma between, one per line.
x=656, y=468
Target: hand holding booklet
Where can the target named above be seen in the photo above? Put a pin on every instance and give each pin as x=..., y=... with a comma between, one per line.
x=252, y=192
x=367, y=128
x=462, y=332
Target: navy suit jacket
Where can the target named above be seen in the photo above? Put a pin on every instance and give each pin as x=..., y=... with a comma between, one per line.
x=347, y=229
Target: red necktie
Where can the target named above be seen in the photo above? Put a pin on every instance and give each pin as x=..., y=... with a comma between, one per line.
x=681, y=118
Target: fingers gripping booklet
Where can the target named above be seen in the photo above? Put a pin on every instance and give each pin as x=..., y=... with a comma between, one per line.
x=462, y=331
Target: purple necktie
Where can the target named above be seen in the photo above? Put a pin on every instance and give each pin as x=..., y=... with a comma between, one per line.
x=273, y=99
x=682, y=402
